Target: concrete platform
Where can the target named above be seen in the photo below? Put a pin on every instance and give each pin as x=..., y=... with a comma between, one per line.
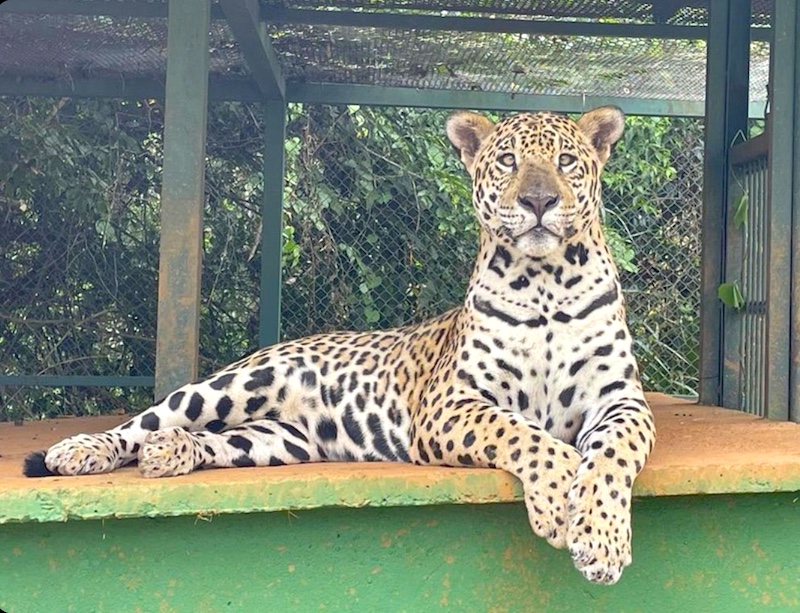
x=700, y=450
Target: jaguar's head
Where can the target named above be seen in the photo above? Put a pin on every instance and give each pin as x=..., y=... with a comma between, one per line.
x=536, y=176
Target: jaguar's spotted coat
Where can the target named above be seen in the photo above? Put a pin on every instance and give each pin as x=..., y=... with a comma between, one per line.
x=534, y=374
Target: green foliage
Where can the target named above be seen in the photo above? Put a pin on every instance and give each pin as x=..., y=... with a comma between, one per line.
x=78, y=217
x=381, y=218
x=378, y=231
x=652, y=188
x=740, y=213
x=731, y=295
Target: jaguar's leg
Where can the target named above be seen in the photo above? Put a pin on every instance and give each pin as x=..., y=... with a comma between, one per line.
x=85, y=454
x=615, y=443
x=266, y=442
x=214, y=404
x=475, y=433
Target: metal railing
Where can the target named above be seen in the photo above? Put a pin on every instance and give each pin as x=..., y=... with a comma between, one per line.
x=745, y=377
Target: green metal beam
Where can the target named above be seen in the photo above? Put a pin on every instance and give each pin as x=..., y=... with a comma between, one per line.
x=281, y=15
x=76, y=381
x=241, y=89
x=336, y=93
x=182, y=195
x=244, y=90
x=727, y=78
x=94, y=8
x=272, y=222
x=251, y=35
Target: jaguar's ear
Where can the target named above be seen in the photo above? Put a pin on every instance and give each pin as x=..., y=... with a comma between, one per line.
x=603, y=126
x=467, y=131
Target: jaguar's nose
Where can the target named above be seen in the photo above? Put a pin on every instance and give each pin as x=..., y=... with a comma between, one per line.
x=538, y=202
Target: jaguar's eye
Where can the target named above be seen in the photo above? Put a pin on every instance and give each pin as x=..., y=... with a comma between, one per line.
x=566, y=160
x=507, y=160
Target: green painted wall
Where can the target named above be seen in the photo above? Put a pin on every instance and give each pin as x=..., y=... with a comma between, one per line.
x=702, y=553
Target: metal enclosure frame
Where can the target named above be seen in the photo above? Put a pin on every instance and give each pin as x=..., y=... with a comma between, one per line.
x=726, y=111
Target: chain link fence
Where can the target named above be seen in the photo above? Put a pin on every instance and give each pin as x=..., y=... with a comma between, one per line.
x=653, y=205
x=378, y=232
x=380, y=228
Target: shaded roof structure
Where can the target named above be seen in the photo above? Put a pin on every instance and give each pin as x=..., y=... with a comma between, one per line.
x=623, y=50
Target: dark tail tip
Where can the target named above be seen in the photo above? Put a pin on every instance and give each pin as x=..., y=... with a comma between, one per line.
x=34, y=466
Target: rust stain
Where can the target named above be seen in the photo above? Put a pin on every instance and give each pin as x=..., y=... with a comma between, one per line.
x=508, y=558
x=164, y=607
x=444, y=601
x=732, y=366
x=758, y=550
x=699, y=577
x=132, y=583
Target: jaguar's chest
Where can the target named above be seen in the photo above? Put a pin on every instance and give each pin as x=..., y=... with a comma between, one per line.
x=541, y=380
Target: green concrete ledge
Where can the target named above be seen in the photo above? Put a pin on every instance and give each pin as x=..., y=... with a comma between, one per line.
x=700, y=450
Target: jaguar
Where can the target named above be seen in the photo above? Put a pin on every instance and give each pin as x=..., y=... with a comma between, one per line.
x=534, y=374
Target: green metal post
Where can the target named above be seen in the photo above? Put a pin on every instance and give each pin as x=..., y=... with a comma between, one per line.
x=272, y=221
x=779, y=214
x=182, y=194
x=785, y=107
x=244, y=20
x=727, y=79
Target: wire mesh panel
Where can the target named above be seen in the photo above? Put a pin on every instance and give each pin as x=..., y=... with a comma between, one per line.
x=74, y=47
x=640, y=68
x=653, y=202
x=123, y=44
x=79, y=221
x=632, y=11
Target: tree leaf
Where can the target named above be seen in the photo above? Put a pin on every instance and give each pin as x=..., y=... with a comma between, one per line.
x=731, y=295
x=740, y=214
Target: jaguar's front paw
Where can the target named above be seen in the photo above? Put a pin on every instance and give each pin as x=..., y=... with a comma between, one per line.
x=599, y=534
x=167, y=453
